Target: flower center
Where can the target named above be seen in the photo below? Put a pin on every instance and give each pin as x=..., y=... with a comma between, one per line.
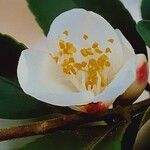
x=90, y=73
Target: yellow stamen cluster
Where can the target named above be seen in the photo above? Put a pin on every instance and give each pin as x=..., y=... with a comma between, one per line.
x=66, y=47
x=71, y=67
x=95, y=46
x=93, y=66
x=68, y=66
x=103, y=61
x=86, y=52
x=90, y=51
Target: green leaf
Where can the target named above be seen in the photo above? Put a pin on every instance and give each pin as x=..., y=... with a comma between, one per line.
x=113, y=11
x=143, y=136
x=46, y=11
x=81, y=139
x=10, y=51
x=112, y=141
x=64, y=140
x=143, y=27
x=14, y=103
x=145, y=9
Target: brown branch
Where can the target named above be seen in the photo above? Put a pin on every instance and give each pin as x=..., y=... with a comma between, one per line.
x=39, y=127
x=46, y=126
x=50, y=125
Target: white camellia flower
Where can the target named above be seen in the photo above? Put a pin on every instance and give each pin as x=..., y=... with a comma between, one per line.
x=84, y=64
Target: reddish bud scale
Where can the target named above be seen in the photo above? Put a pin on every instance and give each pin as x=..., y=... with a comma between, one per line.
x=95, y=108
x=142, y=73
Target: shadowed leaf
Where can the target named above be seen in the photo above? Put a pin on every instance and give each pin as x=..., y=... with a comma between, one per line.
x=10, y=51
x=78, y=139
x=143, y=27
x=14, y=103
x=145, y=9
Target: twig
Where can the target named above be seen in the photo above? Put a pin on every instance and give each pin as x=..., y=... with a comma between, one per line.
x=50, y=125
x=46, y=126
x=39, y=127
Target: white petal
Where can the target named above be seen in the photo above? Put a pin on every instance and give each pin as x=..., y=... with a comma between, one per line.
x=42, y=45
x=125, y=77
x=79, y=22
x=40, y=77
x=138, y=86
x=127, y=46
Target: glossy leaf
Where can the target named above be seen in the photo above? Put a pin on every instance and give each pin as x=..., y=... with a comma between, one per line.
x=10, y=51
x=14, y=103
x=145, y=9
x=143, y=27
x=113, y=11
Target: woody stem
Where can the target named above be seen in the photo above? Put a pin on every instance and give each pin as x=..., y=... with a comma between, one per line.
x=51, y=125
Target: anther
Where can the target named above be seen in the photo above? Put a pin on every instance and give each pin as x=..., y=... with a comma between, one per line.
x=65, y=33
x=110, y=40
x=85, y=37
